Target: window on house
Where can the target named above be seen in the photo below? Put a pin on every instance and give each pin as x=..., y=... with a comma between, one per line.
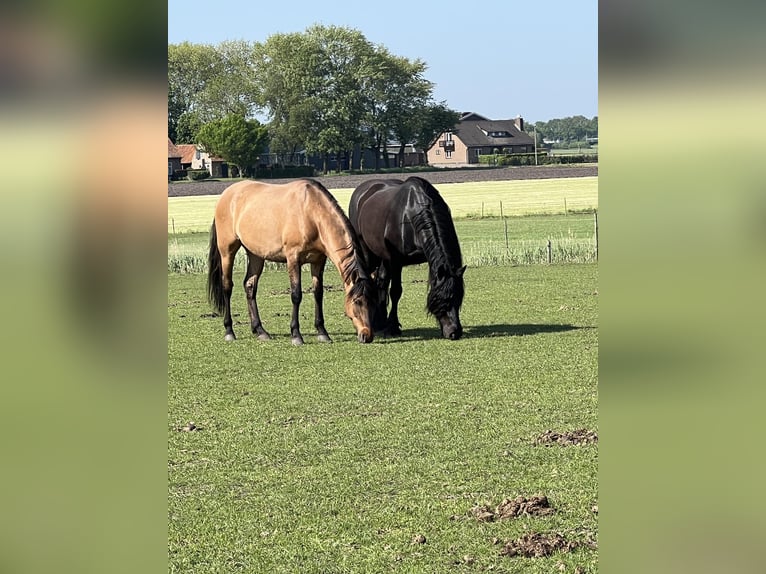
x=448, y=154
x=438, y=152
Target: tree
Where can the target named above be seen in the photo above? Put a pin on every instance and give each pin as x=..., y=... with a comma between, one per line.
x=434, y=119
x=311, y=85
x=187, y=127
x=235, y=139
x=212, y=81
x=404, y=97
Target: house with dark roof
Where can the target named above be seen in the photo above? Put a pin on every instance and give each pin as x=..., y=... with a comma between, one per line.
x=474, y=136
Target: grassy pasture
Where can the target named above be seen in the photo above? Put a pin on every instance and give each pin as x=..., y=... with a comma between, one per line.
x=334, y=458
x=521, y=197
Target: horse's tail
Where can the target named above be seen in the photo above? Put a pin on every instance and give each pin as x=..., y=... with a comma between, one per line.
x=215, y=273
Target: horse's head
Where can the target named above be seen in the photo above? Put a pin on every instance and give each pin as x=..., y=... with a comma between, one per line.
x=361, y=302
x=445, y=297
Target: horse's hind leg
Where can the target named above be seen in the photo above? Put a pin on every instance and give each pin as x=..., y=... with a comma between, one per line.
x=294, y=271
x=227, y=269
x=253, y=274
x=395, y=278
x=317, y=280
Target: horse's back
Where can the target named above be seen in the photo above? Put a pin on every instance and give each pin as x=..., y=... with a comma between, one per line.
x=263, y=216
x=378, y=214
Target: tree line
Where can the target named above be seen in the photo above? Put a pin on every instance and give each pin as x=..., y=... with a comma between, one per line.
x=325, y=91
x=565, y=130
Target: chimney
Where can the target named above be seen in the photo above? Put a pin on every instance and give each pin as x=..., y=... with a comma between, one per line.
x=519, y=121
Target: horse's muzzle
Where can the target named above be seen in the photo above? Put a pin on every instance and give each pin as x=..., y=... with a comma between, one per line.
x=365, y=336
x=453, y=334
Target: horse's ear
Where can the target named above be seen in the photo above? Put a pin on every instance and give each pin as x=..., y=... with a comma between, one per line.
x=461, y=271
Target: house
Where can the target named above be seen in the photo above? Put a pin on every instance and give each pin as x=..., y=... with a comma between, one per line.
x=183, y=157
x=474, y=136
x=188, y=153
x=174, y=159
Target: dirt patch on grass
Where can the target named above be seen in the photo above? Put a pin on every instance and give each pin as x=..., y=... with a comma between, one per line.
x=579, y=436
x=513, y=508
x=537, y=544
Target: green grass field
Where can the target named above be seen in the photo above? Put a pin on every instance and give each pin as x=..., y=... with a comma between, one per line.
x=522, y=197
x=334, y=458
x=371, y=458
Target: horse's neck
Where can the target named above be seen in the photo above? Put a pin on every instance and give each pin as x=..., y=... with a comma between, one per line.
x=340, y=250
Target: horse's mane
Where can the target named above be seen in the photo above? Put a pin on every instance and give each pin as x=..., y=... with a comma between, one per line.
x=434, y=226
x=433, y=222
x=351, y=268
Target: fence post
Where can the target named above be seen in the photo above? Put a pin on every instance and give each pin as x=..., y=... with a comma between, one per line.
x=550, y=258
x=595, y=224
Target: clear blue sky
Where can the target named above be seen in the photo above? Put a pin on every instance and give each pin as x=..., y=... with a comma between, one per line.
x=499, y=58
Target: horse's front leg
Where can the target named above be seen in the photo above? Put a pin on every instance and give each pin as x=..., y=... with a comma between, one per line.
x=253, y=274
x=317, y=280
x=395, y=277
x=294, y=271
x=381, y=278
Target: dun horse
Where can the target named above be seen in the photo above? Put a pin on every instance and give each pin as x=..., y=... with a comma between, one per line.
x=402, y=223
x=295, y=223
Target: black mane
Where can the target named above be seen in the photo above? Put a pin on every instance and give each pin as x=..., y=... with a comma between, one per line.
x=438, y=240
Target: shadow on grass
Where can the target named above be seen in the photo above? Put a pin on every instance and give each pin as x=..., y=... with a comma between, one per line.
x=480, y=331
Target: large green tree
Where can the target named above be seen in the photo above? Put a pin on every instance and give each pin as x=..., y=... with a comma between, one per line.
x=211, y=81
x=235, y=139
x=311, y=86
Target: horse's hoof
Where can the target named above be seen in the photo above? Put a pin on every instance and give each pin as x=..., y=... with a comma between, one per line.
x=264, y=336
x=297, y=341
x=229, y=337
x=324, y=339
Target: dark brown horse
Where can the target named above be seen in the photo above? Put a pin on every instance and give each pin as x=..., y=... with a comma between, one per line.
x=402, y=223
x=295, y=223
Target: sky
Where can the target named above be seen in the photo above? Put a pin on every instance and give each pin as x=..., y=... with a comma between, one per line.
x=499, y=58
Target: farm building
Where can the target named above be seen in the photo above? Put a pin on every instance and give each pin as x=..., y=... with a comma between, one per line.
x=174, y=159
x=182, y=157
x=474, y=136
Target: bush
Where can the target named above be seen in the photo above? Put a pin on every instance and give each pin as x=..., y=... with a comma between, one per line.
x=197, y=174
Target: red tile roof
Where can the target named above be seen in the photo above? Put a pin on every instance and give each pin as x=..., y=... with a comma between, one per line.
x=173, y=150
x=187, y=152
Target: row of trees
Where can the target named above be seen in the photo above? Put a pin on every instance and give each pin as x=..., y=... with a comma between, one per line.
x=327, y=91
x=566, y=130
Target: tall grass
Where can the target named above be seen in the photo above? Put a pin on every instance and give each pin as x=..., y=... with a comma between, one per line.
x=487, y=241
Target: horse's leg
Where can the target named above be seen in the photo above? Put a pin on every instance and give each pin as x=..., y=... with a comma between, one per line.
x=294, y=271
x=253, y=274
x=227, y=270
x=381, y=277
x=317, y=276
x=395, y=277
